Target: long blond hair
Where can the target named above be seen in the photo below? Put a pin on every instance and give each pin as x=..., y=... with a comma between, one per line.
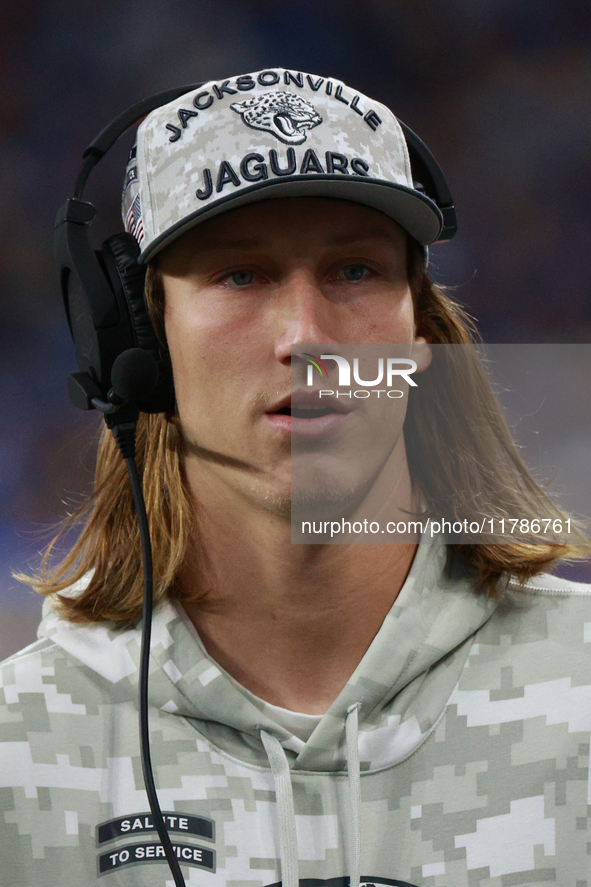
x=484, y=471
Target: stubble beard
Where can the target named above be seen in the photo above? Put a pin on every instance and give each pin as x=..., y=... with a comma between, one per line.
x=323, y=502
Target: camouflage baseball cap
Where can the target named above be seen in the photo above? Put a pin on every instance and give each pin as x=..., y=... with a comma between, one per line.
x=273, y=133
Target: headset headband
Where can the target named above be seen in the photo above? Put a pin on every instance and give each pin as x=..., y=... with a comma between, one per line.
x=427, y=173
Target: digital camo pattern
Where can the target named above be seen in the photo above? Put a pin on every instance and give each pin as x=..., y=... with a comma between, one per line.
x=270, y=133
x=474, y=735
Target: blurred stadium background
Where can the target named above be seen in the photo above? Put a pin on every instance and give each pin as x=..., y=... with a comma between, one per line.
x=499, y=89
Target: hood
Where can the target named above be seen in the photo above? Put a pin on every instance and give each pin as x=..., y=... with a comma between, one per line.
x=398, y=690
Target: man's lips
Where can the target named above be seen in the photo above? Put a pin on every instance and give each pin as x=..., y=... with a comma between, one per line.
x=306, y=414
x=308, y=405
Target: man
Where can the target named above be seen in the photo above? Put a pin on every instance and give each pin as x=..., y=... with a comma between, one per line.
x=402, y=714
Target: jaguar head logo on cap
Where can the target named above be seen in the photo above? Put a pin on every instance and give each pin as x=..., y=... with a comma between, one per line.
x=284, y=114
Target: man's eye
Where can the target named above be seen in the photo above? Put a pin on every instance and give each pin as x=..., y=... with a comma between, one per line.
x=241, y=278
x=354, y=272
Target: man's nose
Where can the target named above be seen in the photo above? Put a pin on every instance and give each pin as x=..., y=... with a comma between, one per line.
x=303, y=316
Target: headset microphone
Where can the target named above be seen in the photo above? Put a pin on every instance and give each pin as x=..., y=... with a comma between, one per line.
x=134, y=375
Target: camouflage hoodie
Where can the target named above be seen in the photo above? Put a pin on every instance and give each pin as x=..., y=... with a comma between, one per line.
x=457, y=755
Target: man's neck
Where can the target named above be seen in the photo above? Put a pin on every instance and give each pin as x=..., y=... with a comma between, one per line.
x=288, y=622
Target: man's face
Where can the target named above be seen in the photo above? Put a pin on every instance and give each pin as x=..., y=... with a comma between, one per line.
x=243, y=289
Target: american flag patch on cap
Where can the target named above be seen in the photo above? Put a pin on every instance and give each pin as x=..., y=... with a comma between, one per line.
x=131, y=203
x=133, y=220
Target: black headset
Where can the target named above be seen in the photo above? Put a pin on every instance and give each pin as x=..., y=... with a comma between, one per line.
x=103, y=290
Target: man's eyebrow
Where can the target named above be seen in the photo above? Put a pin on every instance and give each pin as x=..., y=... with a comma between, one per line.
x=367, y=234
x=237, y=243
x=222, y=243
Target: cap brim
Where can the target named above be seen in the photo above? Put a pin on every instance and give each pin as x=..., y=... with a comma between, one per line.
x=413, y=211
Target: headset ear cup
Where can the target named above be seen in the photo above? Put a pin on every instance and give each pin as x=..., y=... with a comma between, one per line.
x=124, y=251
x=119, y=254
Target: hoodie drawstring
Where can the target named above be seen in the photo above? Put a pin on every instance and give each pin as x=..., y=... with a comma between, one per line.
x=288, y=841
x=354, y=776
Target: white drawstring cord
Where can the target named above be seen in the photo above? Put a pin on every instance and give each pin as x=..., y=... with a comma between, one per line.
x=354, y=775
x=288, y=841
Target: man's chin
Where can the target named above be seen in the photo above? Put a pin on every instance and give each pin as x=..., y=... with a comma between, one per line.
x=325, y=502
x=322, y=502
